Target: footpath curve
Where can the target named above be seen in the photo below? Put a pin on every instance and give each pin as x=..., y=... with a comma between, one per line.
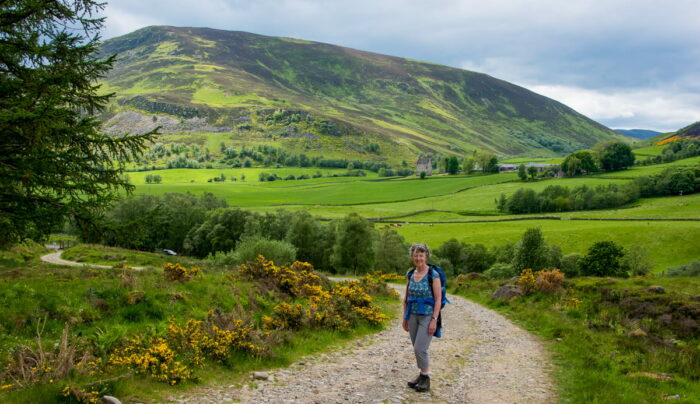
x=482, y=358
x=55, y=258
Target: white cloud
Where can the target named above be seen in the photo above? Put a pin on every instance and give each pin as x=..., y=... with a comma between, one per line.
x=120, y=21
x=629, y=109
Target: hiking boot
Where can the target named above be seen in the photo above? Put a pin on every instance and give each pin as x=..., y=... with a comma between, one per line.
x=423, y=383
x=413, y=383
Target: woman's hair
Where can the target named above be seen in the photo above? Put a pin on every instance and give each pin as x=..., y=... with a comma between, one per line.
x=419, y=248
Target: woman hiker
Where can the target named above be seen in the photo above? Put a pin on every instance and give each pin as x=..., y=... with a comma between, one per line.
x=421, y=310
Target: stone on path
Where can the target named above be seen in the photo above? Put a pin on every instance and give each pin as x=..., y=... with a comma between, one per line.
x=261, y=375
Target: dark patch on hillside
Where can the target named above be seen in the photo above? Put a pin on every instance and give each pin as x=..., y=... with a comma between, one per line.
x=690, y=131
x=161, y=107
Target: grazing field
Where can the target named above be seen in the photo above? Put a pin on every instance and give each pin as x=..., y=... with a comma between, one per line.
x=650, y=151
x=315, y=192
x=652, y=169
x=668, y=243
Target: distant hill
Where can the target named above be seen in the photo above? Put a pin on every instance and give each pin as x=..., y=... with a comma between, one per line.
x=691, y=131
x=638, y=133
x=325, y=99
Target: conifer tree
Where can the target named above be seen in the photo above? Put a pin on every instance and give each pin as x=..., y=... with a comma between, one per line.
x=54, y=160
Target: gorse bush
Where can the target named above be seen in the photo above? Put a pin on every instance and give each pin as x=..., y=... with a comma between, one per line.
x=179, y=273
x=339, y=306
x=549, y=281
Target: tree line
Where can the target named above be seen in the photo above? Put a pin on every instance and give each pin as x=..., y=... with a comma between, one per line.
x=205, y=227
x=678, y=150
x=558, y=198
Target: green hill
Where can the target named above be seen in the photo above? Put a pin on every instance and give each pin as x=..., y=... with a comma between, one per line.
x=324, y=99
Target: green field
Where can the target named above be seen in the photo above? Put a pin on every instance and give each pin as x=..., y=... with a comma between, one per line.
x=666, y=242
x=461, y=199
x=649, y=170
x=323, y=191
x=649, y=151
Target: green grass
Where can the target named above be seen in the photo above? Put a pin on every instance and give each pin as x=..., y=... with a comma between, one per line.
x=644, y=153
x=329, y=191
x=185, y=176
x=595, y=359
x=666, y=242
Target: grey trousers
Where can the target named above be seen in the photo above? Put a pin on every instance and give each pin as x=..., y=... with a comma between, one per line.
x=418, y=329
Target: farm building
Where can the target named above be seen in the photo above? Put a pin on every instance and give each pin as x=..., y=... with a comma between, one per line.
x=424, y=164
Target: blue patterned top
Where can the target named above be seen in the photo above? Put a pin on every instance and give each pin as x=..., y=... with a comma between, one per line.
x=421, y=290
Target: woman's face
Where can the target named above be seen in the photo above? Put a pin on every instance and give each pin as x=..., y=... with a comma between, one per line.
x=418, y=259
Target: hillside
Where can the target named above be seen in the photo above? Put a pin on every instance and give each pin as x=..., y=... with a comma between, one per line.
x=319, y=98
x=690, y=131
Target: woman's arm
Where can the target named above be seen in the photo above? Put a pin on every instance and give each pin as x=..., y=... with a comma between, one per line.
x=437, y=294
x=404, y=323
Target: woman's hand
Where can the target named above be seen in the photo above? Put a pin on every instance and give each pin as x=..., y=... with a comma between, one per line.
x=432, y=327
x=404, y=324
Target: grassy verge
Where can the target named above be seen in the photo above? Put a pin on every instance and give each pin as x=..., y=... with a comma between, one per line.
x=102, y=311
x=612, y=341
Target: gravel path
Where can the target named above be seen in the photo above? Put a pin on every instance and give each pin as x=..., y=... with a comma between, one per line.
x=482, y=358
x=55, y=258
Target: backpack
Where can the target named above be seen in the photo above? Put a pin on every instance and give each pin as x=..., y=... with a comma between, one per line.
x=443, y=290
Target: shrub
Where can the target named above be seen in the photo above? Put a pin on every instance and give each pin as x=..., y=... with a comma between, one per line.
x=279, y=251
x=549, y=281
x=339, y=306
x=692, y=269
x=569, y=265
x=178, y=273
x=527, y=281
x=41, y=364
x=531, y=251
x=153, y=357
x=604, y=258
x=500, y=270
x=637, y=261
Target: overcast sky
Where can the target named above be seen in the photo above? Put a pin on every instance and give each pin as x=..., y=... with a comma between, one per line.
x=625, y=63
